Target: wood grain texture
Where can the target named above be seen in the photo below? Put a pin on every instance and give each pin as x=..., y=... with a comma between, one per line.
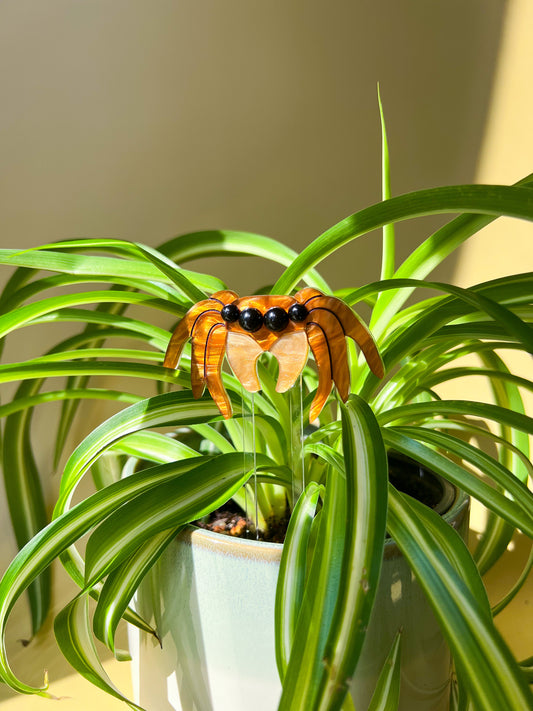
x=353, y=327
x=175, y=346
x=334, y=341
x=201, y=355
x=325, y=328
x=319, y=347
x=215, y=352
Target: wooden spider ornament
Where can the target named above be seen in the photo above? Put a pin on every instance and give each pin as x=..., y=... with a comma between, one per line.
x=286, y=326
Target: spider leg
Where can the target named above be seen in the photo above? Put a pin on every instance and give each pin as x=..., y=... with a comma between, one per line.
x=183, y=330
x=203, y=324
x=321, y=353
x=328, y=344
x=185, y=327
x=202, y=348
x=224, y=297
x=351, y=324
x=336, y=343
x=176, y=344
x=215, y=349
x=357, y=331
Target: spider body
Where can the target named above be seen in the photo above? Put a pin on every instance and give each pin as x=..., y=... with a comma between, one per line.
x=286, y=326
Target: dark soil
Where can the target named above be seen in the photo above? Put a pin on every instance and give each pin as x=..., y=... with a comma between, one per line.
x=411, y=478
x=230, y=520
x=404, y=473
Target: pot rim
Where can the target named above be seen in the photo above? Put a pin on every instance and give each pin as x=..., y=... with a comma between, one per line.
x=456, y=503
x=271, y=552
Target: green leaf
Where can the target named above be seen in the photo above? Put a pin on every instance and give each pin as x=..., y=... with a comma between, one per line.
x=511, y=594
x=14, y=299
x=169, y=409
x=511, y=511
x=489, y=466
x=73, y=635
x=293, y=572
x=305, y=666
x=415, y=412
x=485, y=199
x=22, y=482
x=386, y=695
x=389, y=246
x=49, y=543
x=488, y=299
x=121, y=584
x=327, y=453
x=497, y=534
x=129, y=327
x=18, y=318
x=427, y=256
x=154, y=447
x=110, y=267
x=366, y=504
x=216, y=438
x=70, y=408
x=25, y=496
x=492, y=299
x=443, y=376
x=39, y=369
x=344, y=572
x=232, y=243
x=171, y=504
x=493, y=677
x=25, y=403
x=449, y=541
x=174, y=273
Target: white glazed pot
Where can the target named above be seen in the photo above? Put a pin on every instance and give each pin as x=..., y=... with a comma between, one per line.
x=212, y=599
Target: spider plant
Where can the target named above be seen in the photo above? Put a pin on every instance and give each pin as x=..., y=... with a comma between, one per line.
x=340, y=500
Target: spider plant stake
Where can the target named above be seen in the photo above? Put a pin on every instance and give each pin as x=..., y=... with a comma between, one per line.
x=244, y=328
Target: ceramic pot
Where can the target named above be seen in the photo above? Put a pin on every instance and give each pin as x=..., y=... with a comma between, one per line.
x=212, y=599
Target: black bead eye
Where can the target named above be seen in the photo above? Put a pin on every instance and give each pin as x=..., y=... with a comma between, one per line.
x=230, y=313
x=251, y=319
x=298, y=313
x=276, y=319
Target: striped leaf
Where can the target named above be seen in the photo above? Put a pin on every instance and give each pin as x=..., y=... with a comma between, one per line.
x=87, y=265
x=488, y=668
x=511, y=511
x=53, y=540
x=75, y=640
x=170, y=504
x=231, y=243
x=344, y=572
x=386, y=695
x=293, y=572
x=169, y=409
x=122, y=583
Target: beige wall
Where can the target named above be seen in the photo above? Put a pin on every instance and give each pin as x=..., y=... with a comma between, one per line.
x=142, y=119
x=506, y=154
